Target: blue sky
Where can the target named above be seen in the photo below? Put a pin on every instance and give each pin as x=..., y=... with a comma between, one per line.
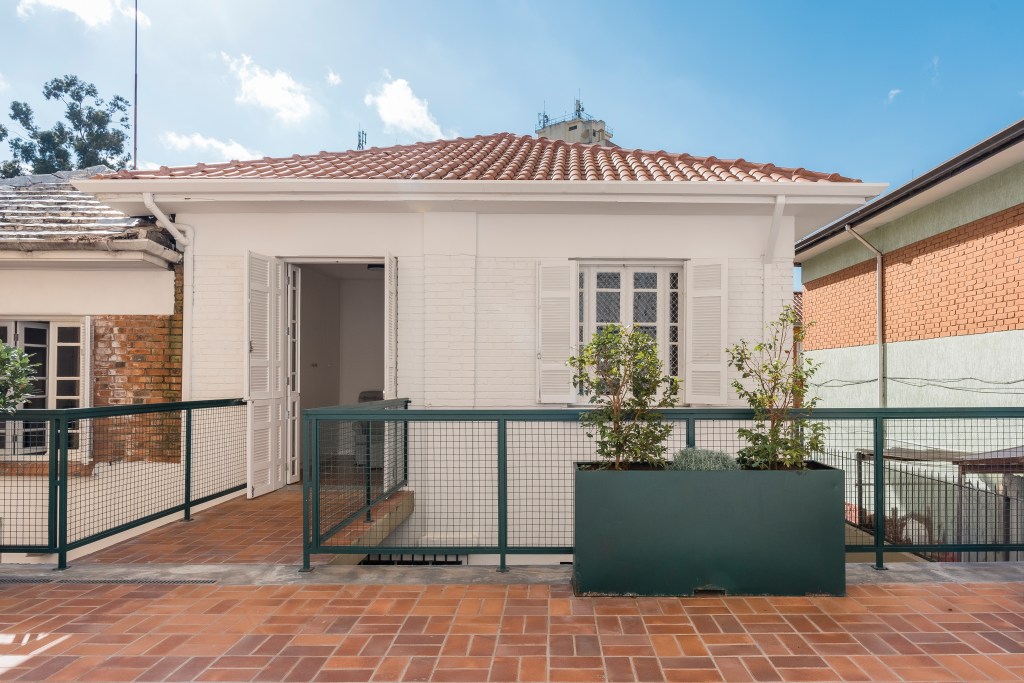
x=876, y=90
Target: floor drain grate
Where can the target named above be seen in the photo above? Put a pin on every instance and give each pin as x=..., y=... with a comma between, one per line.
x=22, y=579
x=168, y=582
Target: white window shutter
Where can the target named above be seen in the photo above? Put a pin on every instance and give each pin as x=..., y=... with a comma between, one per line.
x=259, y=312
x=707, y=312
x=556, y=329
x=391, y=327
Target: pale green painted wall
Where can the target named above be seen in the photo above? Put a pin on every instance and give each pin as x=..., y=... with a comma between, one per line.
x=988, y=196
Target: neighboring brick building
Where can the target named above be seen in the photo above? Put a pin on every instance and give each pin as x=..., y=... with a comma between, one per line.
x=98, y=307
x=952, y=244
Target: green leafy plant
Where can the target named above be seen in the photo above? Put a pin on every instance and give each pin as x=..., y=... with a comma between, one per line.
x=16, y=375
x=774, y=380
x=700, y=459
x=621, y=372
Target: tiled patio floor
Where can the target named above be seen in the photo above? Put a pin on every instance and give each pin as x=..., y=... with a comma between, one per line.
x=115, y=632
x=265, y=530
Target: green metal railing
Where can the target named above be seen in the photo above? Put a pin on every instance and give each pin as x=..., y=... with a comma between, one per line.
x=75, y=476
x=499, y=482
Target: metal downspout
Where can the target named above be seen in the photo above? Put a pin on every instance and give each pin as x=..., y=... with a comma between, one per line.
x=879, y=317
x=184, y=238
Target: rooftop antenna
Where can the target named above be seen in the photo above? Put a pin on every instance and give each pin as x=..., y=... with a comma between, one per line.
x=542, y=118
x=135, y=97
x=579, y=109
x=361, y=139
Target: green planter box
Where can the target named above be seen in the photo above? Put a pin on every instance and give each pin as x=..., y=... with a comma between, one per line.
x=739, y=532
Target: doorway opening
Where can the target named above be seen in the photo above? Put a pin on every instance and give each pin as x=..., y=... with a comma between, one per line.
x=341, y=334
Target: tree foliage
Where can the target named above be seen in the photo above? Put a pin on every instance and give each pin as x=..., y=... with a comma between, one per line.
x=16, y=375
x=774, y=380
x=622, y=373
x=93, y=132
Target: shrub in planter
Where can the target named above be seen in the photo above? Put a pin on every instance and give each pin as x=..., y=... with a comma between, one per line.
x=16, y=375
x=703, y=460
x=774, y=380
x=621, y=372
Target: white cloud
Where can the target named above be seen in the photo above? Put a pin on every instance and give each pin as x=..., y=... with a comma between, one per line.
x=400, y=110
x=333, y=78
x=278, y=91
x=892, y=95
x=93, y=13
x=222, y=151
x=4, y=85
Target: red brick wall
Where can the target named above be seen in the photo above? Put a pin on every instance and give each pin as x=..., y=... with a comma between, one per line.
x=841, y=308
x=963, y=281
x=137, y=359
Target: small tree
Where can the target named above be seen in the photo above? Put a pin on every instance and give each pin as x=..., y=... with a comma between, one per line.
x=16, y=375
x=622, y=373
x=774, y=382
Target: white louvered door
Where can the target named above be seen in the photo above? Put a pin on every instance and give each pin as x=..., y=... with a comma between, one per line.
x=707, y=309
x=265, y=374
x=557, y=289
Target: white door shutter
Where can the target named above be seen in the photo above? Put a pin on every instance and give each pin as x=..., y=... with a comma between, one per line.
x=557, y=289
x=390, y=327
x=265, y=376
x=707, y=311
x=260, y=314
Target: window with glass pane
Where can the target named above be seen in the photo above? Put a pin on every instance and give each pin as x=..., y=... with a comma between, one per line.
x=646, y=297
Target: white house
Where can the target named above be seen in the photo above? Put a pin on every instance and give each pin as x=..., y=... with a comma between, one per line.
x=463, y=273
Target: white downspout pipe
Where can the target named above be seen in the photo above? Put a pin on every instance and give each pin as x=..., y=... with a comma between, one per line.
x=184, y=239
x=879, y=316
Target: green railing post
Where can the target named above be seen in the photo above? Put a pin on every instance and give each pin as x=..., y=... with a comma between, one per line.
x=369, y=475
x=188, y=465
x=879, y=448
x=62, y=541
x=307, y=453
x=691, y=432
x=502, y=493
x=54, y=477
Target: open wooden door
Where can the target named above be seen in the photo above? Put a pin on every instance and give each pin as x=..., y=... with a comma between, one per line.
x=265, y=379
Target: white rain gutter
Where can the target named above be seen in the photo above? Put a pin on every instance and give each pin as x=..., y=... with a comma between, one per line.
x=879, y=316
x=184, y=239
x=768, y=258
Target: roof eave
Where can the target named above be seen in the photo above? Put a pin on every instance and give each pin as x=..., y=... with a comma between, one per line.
x=876, y=210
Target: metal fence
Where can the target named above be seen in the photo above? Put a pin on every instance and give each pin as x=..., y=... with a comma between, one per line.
x=74, y=476
x=500, y=482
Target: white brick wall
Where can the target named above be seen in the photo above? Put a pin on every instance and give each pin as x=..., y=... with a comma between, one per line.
x=747, y=307
x=449, y=335
x=506, y=346
x=217, y=327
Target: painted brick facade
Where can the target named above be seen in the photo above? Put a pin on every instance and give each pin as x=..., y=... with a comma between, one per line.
x=960, y=282
x=137, y=359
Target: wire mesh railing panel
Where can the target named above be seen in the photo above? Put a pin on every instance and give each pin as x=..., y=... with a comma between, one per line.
x=720, y=435
x=845, y=443
x=542, y=459
x=453, y=474
x=218, y=450
x=955, y=482
x=136, y=470
x=25, y=484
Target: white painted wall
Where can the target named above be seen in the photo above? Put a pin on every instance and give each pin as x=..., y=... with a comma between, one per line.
x=969, y=370
x=53, y=291
x=466, y=305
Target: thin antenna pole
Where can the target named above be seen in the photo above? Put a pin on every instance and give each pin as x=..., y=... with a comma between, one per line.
x=135, y=96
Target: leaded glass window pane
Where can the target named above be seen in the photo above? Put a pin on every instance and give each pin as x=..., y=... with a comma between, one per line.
x=645, y=307
x=609, y=280
x=608, y=307
x=645, y=280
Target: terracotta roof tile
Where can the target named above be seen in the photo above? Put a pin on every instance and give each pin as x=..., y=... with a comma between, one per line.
x=502, y=156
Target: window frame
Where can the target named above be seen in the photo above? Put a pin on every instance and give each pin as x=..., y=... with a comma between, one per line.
x=585, y=310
